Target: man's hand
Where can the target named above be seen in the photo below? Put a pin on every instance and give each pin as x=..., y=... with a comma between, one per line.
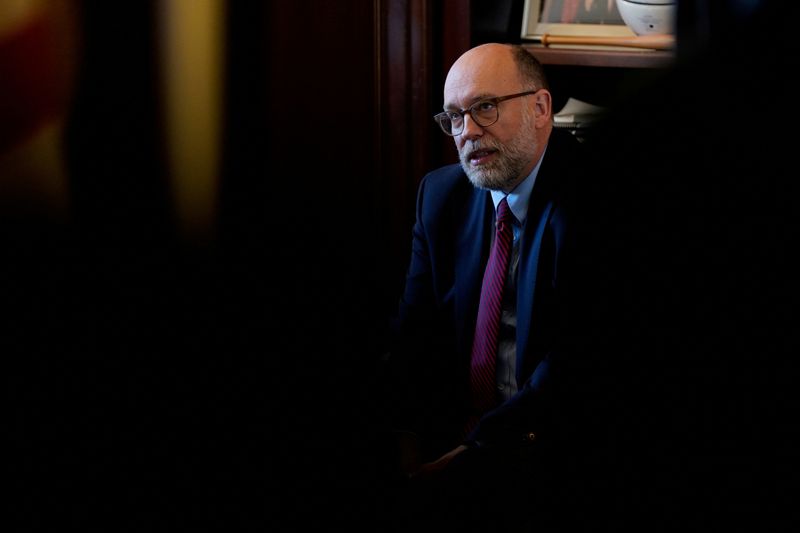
x=434, y=467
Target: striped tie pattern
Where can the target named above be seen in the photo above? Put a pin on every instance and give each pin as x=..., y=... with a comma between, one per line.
x=484, y=348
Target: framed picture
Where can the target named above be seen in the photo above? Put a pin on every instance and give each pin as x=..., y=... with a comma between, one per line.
x=579, y=18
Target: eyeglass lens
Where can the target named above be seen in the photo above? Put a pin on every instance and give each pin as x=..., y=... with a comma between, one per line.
x=483, y=113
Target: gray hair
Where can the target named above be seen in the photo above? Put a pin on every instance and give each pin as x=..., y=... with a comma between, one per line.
x=531, y=70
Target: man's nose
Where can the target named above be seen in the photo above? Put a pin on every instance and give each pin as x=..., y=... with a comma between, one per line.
x=471, y=128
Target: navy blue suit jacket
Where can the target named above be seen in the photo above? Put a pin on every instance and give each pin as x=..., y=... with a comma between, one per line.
x=438, y=309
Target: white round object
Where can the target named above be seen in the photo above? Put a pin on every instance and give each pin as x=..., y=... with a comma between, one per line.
x=647, y=17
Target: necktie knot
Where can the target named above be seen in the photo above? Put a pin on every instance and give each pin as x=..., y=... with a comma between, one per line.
x=504, y=214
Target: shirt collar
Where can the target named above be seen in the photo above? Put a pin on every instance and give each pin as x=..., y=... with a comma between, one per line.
x=519, y=198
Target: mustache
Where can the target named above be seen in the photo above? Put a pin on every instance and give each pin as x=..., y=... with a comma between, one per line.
x=471, y=147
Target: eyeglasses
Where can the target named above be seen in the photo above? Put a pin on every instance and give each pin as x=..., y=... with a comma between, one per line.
x=484, y=113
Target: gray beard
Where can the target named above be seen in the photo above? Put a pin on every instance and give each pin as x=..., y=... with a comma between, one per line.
x=503, y=172
x=496, y=176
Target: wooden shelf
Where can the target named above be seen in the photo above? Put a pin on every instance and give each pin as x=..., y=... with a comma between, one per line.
x=597, y=57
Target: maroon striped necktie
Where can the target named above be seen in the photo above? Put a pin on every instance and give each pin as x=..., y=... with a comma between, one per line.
x=483, y=382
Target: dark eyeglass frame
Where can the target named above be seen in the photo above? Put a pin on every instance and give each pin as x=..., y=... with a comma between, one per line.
x=445, y=115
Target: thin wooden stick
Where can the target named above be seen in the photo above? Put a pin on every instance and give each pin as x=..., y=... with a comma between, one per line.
x=660, y=41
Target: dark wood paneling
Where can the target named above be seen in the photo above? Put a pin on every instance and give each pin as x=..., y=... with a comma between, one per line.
x=420, y=39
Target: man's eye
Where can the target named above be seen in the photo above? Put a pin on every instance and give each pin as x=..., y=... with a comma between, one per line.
x=454, y=115
x=485, y=106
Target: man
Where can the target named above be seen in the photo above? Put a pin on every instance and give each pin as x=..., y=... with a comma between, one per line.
x=457, y=446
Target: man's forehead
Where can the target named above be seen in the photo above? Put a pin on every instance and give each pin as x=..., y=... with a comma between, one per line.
x=466, y=89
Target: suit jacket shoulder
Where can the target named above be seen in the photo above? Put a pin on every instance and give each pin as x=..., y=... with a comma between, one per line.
x=564, y=163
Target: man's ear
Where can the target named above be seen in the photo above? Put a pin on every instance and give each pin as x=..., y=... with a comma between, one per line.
x=544, y=107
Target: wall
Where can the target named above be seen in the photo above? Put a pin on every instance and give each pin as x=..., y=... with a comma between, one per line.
x=210, y=311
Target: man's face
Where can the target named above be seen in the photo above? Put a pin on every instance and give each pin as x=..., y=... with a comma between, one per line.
x=500, y=155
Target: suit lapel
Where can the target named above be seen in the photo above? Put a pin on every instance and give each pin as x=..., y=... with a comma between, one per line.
x=529, y=263
x=540, y=208
x=471, y=253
